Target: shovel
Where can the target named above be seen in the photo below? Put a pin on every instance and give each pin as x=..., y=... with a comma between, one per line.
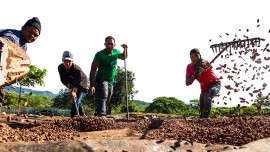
x=76, y=107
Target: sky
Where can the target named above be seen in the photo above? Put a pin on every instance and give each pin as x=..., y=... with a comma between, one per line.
x=159, y=34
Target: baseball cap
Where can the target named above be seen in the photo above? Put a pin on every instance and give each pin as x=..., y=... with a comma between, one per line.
x=67, y=56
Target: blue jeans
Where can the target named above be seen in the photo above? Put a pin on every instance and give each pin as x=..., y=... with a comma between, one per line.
x=105, y=91
x=73, y=111
x=206, y=99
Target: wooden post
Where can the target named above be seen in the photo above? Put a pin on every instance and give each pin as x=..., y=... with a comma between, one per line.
x=125, y=64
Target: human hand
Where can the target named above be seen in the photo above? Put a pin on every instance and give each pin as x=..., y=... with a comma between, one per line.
x=73, y=95
x=124, y=46
x=198, y=72
x=208, y=66
x=201, y=70
x=92, y=90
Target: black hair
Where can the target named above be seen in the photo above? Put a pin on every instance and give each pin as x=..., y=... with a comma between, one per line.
x=109, y=37
x=195, y=50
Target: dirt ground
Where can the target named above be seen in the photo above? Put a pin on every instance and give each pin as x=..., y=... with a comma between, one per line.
x=111, y=140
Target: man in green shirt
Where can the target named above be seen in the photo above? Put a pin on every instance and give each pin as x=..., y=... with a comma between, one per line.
x=105, y=63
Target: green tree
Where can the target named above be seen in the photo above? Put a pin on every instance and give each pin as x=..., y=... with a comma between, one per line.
x=11, y=98
x=32, y=100
x=119, y=92
x=62, y=99
x=34, y=77
x=166, y=105
x=36, y=100
x=132, y=107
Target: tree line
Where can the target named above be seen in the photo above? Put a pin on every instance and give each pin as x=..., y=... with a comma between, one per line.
x=164, y=105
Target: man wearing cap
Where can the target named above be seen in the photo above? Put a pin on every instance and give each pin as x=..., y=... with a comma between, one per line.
x=72, y=76
x=201, y=70
x=29, y=32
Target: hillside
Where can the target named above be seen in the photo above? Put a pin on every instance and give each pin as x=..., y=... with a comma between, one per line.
x=26, y=90
x=141, y=104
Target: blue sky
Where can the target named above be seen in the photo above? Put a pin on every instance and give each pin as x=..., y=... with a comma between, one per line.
x=159, y=34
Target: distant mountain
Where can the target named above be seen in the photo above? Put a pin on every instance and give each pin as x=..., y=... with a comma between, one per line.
x=141, y=104
x=26, y=90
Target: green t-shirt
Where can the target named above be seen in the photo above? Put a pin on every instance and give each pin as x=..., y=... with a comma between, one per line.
x=107, y=64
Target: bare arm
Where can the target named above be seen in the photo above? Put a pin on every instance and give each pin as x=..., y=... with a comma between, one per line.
x=94, y=67
x=189, y=80
x=190, y=75
x=124, y=55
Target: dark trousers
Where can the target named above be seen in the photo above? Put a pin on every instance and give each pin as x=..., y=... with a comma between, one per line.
x=206, y=99
x=73, y=111
x=105, y=91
